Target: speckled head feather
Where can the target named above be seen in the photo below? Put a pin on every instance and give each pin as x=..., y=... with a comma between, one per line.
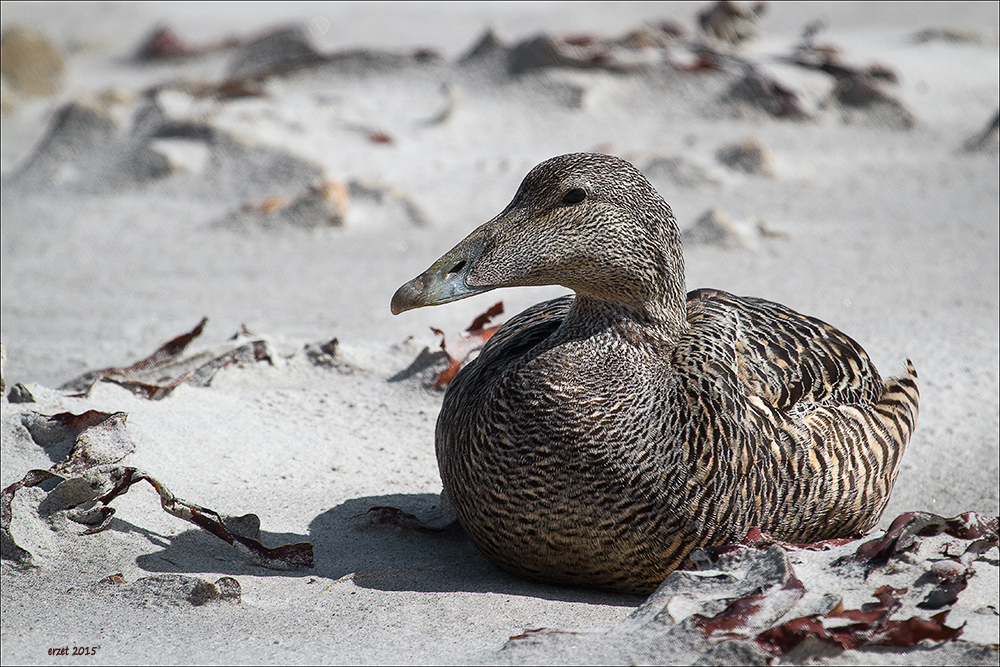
x=594, y=224
x=599, y=439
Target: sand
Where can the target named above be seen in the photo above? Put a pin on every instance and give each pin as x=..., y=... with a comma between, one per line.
x=135, y=201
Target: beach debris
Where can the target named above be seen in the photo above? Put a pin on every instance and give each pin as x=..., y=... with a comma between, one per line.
x=678, y=170
x=652, y=36
x=540, y=52
x=224, y=90
x=576, y=51
x=829, y=58
x=373, y=134
x=85, y=150
x=859, y=91
x=458, y=350
x=20, y=394
x=328, y=203
x=380, y=137
x=455, y=352
x=868, y=626
x=169, y=590
x=31, y=64
x=163, y=43
x=638, y=49
x=274, y=52
x=860, y=96
x=749, y=156
x=907, y=529
x=323, y=354
x=756, y=91
x=764, y=600
x=157, y=375
x=951, y=578
x=716, y=228
x=757, y=611
x=871, y=625
x=488, y=45
x=434, y=519
x=94, y=439
x=91, y=477
x=703, y=58
x=323, y=204
x=277, y=51
x=987, y=141
x=77, y=129
x=704, y=558
x=241, y=532
x=424, y=360
x=731, y=22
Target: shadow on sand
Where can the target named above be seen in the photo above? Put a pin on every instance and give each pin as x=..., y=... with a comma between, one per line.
x=350, y=542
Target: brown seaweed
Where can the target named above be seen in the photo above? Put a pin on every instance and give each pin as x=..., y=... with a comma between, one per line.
x=157, y=375
x=459, y=349
x=91, y=478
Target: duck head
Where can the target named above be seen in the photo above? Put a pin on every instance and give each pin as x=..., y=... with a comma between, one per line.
x=589, y=222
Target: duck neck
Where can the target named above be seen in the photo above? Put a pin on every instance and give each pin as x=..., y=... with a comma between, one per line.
x=650, y=297
x=652, y=322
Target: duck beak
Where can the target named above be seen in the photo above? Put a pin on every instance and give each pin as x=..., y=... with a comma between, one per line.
x=445, y=280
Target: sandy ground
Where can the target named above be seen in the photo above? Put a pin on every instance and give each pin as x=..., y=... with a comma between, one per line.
x=154, y=201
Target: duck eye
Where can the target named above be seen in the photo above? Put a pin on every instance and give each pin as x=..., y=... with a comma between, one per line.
x=574, y=196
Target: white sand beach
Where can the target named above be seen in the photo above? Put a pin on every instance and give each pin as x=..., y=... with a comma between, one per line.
x=280, y=169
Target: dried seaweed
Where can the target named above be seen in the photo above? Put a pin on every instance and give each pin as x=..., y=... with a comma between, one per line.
x=158, y=374
x=951, y=578
x=904, y=531
x=871, y=627
x=753, y=611
x=163, y=43
x=439, y=519
x=752, y=607
x=285, y=557
x=100, y=439
x=9, y=549
x=706, y=556
x=164, y=354
x=459, y=349
x=380, y=137
x=91, y=479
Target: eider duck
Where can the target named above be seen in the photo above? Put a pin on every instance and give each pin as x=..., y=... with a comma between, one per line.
x=599, y=439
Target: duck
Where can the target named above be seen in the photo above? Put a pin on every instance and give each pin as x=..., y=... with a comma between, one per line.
x=600, y=438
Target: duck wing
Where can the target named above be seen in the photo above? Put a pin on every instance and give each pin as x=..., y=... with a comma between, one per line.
x=786, y=358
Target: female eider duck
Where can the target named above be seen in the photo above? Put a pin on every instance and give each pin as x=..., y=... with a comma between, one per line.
x=599, y=439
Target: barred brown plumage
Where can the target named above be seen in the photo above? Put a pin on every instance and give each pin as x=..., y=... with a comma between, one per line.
x=599, y=439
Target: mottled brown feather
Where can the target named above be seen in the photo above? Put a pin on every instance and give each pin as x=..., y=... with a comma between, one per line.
x=599, y=439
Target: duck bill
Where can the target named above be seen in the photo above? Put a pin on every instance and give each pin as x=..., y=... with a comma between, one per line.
x=446, y=279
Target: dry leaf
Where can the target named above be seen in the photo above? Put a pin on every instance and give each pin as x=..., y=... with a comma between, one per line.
x=459, y=349
x=161, y=372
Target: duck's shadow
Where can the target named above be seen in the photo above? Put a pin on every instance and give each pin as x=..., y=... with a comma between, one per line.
x=350, y=541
